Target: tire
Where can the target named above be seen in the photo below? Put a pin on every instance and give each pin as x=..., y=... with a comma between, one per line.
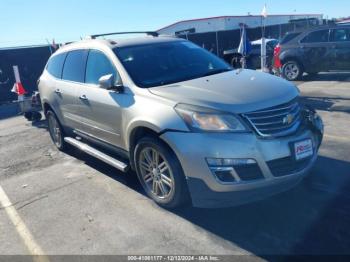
x=160, y=173
x=56, y=131
x=28, y=115
x=292, y=70
x=36, y=116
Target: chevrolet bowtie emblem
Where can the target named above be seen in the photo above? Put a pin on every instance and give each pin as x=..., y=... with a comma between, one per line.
x=288, y=119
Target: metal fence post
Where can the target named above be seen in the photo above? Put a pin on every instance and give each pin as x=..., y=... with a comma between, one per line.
x=217, y=43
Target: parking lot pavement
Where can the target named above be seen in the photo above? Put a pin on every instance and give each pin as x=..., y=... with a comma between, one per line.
x=74, y=204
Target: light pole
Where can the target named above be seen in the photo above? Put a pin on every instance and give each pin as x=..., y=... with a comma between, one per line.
x=263, y=40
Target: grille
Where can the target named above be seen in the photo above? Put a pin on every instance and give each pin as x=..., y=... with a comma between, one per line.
x=281, y=120
x=287, y=166
x=249, y=172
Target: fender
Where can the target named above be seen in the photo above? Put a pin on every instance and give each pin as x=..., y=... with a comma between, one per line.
x=291, y=54
x=44, y=102
x=135, y=124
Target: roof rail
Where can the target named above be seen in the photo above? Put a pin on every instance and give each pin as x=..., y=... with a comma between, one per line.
x=155, y=34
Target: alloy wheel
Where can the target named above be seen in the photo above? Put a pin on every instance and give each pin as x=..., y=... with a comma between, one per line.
x=156, y=173
x=292, y=71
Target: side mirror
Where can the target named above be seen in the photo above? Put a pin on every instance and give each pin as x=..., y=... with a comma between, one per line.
x=107, y=82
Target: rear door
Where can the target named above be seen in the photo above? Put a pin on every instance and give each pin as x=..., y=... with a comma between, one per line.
x=72, y=78
x=316, y=50
x=340, y=41
x=100, y=109
x=51, y=87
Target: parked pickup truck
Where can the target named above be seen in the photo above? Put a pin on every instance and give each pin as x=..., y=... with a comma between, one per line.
x=194, y=129
x=254, y=58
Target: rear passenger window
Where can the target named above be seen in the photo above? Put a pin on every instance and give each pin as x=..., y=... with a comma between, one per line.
x=98, y=65
x=289, y=37
x=74, y=67
x=55, y=65
x=317, y=37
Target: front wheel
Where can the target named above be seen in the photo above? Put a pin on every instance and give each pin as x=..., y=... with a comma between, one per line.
x=292, y=71
x=160, y=173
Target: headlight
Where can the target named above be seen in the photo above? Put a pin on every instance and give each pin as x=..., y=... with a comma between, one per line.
x=203, y=119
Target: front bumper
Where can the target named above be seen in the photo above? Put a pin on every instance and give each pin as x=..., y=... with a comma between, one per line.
x=206, y=190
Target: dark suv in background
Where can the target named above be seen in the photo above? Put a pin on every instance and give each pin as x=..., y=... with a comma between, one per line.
x=312, y=51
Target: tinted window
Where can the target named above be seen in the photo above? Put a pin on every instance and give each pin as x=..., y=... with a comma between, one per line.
x=74, y=67
x=341, y=35
x=272, y=44
x=98, y=65
x=165, y=63
x=317, y=37
x=288, y=37
x=55, y=65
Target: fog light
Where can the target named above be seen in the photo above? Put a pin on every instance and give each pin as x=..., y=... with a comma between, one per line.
x=229, y=161
x=224, y=174
x=223, y=168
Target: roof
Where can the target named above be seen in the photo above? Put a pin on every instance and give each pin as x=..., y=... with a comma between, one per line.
x=345, y=21
x=316, y=28
x=143, y=40
x=230, y=16
x=259, y=41
x=113, y=43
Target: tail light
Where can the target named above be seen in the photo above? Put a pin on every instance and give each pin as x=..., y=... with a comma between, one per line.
x=277, y=51
x=276, y=56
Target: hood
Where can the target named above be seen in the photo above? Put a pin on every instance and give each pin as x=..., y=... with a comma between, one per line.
x=236, y=91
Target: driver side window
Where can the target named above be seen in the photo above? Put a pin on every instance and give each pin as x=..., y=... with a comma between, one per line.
x=98, y=65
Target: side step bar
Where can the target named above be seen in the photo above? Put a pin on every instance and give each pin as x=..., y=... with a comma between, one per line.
x=98, y=154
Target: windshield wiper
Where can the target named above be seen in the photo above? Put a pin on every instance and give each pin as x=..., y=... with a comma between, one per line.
x=217, y=71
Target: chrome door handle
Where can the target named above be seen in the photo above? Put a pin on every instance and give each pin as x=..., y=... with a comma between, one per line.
x=58, y=91
x=83, y=97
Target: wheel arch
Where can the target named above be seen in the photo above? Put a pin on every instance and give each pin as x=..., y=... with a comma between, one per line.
x=136, y=133
x=285, y=59
x=46, y=107
x=141, y=130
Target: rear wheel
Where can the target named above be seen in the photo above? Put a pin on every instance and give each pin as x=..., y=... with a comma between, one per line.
x=55, y=130
x=292, y=70
x=160, y=173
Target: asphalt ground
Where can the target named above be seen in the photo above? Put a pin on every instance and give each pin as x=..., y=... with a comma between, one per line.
x=54, y=203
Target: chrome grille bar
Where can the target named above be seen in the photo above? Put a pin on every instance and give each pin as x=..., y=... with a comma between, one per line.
x=297, y=109
x=276, y=121
x=293, y=105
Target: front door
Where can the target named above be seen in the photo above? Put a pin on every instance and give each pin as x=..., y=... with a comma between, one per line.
x=340, y=41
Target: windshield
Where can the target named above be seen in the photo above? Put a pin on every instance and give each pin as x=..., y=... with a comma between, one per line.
x=165, y=63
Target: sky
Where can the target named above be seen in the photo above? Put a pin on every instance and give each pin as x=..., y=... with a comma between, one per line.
x=27, y=22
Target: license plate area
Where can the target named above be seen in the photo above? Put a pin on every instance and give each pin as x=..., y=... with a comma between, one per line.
x=302, y=149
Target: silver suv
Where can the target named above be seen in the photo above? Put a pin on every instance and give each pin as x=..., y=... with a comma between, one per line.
x=194, y=130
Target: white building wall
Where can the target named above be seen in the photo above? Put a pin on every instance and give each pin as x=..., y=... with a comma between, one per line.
x=205, y=25
x=230, y=23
